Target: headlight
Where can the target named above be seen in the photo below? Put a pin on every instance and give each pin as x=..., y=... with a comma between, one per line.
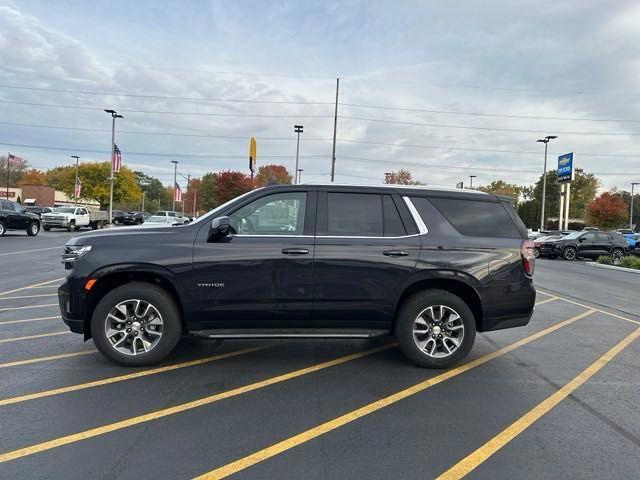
x=74, y=252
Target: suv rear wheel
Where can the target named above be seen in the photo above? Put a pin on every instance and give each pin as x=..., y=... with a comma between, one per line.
x=435, y=328
x=3, y=229
x=136, y=324
x=569, y=253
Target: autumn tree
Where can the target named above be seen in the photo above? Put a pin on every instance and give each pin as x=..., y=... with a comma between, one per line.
x=500, y=187
x=272, y=175
x=220, y=187
x=607, y=211
x=401, y=177
x=33, y=176
x=193, y=193
x=17, y=168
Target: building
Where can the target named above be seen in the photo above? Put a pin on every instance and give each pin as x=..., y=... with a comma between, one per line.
x=42, y=196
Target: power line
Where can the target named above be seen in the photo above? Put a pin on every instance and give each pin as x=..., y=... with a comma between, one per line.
x=162, y=97
x=493, y=129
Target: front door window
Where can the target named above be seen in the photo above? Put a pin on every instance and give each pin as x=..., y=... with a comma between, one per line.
x=277, y=214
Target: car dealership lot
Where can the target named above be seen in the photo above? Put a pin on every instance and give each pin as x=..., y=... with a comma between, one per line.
x=549, y=400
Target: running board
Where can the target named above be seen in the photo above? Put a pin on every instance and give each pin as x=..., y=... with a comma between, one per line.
x=288, y=333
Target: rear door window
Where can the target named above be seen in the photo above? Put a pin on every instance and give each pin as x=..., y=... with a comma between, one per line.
x=477, y=218
x=354, y=214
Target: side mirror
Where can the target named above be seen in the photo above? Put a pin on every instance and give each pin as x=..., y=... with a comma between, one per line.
x=220, y=228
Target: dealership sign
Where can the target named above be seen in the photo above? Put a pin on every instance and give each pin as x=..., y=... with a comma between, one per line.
x=565, y=167
x=5, y=194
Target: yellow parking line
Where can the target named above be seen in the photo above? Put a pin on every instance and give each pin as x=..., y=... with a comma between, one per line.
x=129, y=422
x=29, y=361
x=30, y=296
x=593, y=308
x=35, y=285
x=546, y=300
x=289, y=443
x=129, y=376
x=473, y=460
x=29, y=306
x=29, y=337
x=25, y=320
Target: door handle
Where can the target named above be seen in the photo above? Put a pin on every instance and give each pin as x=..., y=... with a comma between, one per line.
x=395, y=253
x=295, y=251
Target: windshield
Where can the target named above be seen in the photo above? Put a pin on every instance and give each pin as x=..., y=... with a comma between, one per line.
x=65, y=210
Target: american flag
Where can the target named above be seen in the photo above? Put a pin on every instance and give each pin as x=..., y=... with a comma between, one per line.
x=14, y=160
x=177, y=193
x=116, y=161
x=78, y=188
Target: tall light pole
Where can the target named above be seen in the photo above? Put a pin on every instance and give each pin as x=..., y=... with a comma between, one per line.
x=546, y=141
x=299, y=172
x=142, y=206
x=175, y=182
x=76, y=184
x=335, y=127
x=114, y=115
x=471, y=177
x=297, y=129
x=633, y=184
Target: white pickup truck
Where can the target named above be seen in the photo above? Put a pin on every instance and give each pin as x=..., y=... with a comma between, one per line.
x=73, y=218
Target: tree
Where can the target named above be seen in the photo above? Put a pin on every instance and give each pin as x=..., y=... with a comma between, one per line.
x=500, y=187
x=220, y=187
x=33, y=176
x=156, y=194
x=626, y=197
x=17, y=168
x=401, y=177
x=607, y=211
x=272, y=175
x=194, y=191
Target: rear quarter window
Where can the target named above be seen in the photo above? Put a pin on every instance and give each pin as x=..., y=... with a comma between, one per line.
x=478, y=218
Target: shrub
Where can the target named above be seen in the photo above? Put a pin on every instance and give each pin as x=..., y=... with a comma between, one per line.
x=605, y=260
x=630, y=262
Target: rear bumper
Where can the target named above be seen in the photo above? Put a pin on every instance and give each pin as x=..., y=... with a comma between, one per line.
x=508, y=306
x=72, y=308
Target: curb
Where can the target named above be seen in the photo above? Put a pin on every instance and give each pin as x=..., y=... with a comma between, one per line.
x=613, y=267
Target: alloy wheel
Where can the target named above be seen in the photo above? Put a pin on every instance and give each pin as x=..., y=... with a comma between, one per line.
x=438, y=331
x=570, y=253
x=134, y=327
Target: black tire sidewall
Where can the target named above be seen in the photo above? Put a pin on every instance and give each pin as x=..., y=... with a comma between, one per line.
x=161, y=299
x=30, y=227
x=407, y=314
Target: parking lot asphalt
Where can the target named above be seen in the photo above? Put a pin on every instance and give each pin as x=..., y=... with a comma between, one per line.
x=554, y=399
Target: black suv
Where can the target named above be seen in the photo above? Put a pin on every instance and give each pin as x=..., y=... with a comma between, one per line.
x=14, y=216
x=587, y=244
x=430, y=266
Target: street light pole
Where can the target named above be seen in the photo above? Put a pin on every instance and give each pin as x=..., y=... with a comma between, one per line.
x=297, y=129
x=114, y=115
x=75, y=187
x=175, y=182
x=471, y=177
x=633, y=184
x=299, y=173
x=544, y=140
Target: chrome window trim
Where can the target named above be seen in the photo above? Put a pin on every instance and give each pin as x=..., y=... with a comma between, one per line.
x=422, y=228
x=274, y=235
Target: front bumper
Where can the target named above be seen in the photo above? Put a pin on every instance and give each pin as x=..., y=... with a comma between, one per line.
x=72, y=307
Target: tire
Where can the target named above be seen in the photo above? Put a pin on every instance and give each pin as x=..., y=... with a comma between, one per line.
x=33, y=229
x=46, y=229
x=161, y=304
x=617, y=253
x=3, y=229
x=93, y=225
x=72, y=226
x=417, y=307
x=570, y=253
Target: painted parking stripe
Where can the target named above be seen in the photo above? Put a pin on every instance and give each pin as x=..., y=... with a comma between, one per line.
x=29, y=306
x=29, y=361
x=31, y=337
x=35, y=250
x=30, y=296
x=129, y=422
x=546, y=300
x=130, y=376
x=319, y=430
x=41, y=284
x=26, y=320
x=475, y=459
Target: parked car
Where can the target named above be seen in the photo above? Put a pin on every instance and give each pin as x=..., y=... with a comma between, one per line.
x=117, y=216
x=159, y=221
x=625, y=231
x=73, y=218
x=39, y=210
x=589, y=244
x=430, y=266
x=632, y=238
x=543, y=246
x=175, y=215
x=135, y=218
x=14, y=216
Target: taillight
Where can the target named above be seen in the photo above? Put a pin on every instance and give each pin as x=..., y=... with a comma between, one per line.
x=528, y=257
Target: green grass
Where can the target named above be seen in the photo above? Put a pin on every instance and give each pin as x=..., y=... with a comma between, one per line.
x=605, y=260
x=630, y=262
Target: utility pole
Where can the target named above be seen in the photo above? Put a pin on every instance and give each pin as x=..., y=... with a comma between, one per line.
x=175, y=182
x=76, y=184
x=299, y=172
x=335, y=127
x=297, y=129
x=195, y=198
x=188, y=183
x=633, y=184
x=471, y=177
x=546, y=141
x=114, y=115
x=142, y=206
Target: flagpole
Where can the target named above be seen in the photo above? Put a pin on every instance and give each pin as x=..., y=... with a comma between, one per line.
x=8, y=155
x=114, y=115
x=175, y=183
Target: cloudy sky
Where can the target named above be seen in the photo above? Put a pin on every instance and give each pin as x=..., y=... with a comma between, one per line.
x=443, y=89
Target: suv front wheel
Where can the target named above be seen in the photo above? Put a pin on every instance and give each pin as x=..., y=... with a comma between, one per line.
x=136, y=324
x=435, y=328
